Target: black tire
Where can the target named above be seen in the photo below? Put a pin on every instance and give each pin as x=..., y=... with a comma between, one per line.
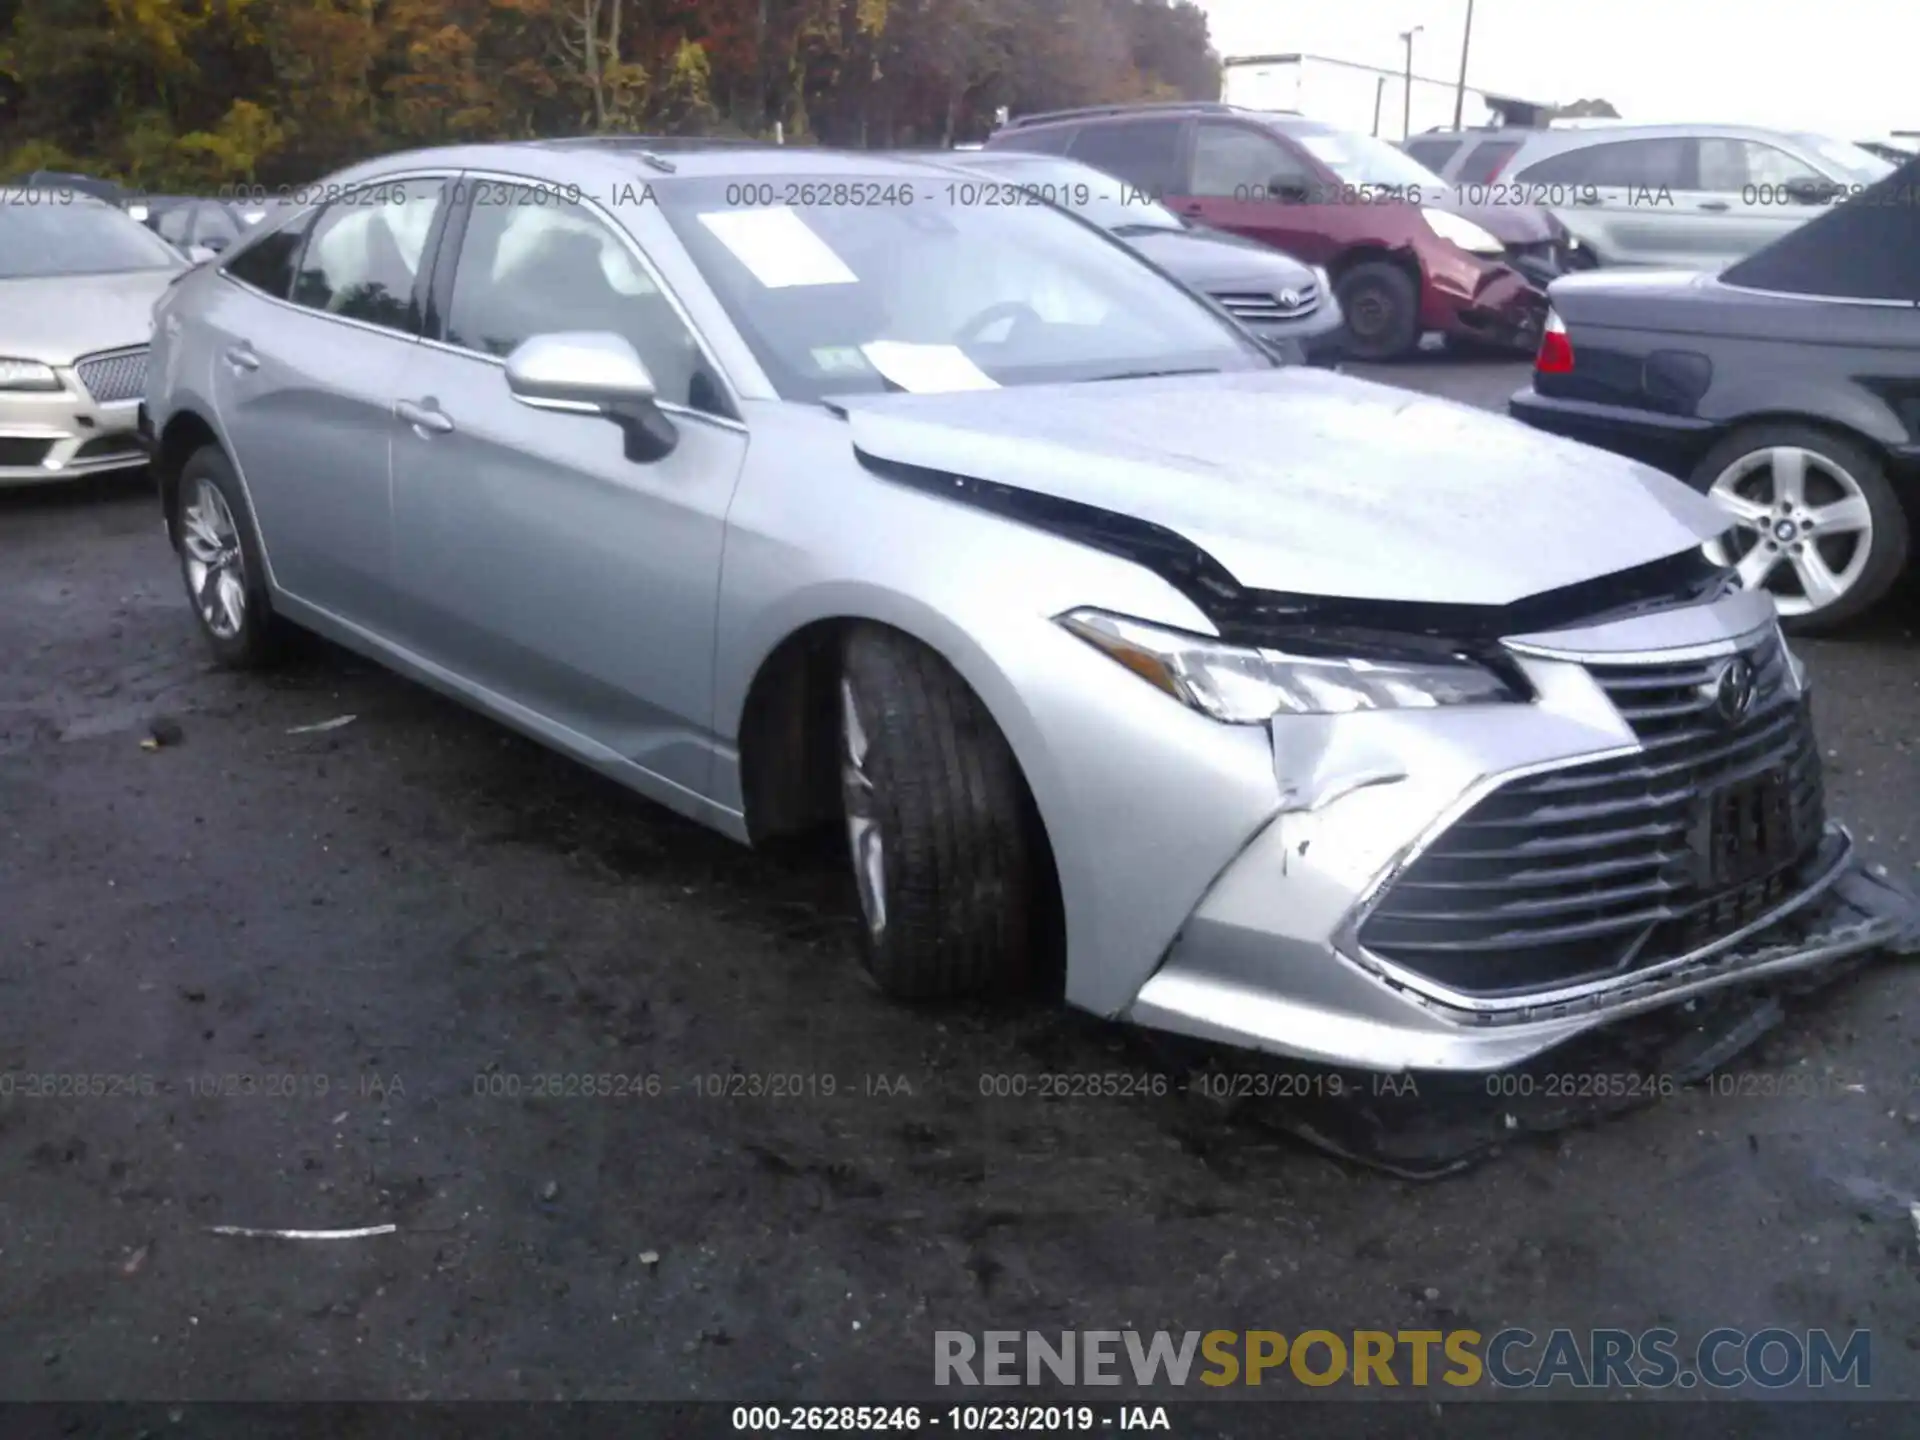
x=1382, y=306
x=1891, y=538
x=260, y=637
x=944, y=795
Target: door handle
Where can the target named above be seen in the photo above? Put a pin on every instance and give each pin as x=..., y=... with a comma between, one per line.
x=241, y=357
x=1713, y=204
x=426, y=417
x=1191, y=207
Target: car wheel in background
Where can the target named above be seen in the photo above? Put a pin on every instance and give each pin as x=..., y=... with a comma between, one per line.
x=1815, y=521
x=221, y=564
x=939, y=825
x=1382, y=306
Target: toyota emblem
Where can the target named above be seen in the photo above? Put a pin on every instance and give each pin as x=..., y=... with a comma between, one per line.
x=1730, y=692
x=1289, y=299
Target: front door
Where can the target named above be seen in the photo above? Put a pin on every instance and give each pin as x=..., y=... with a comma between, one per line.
x=536, y=560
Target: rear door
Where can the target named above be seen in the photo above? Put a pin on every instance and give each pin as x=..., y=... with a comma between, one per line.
x=304, y=387
x=1629, y=201
x=1147, y=154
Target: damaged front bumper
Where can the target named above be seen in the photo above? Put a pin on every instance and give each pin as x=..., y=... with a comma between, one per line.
x=1489, y=302
x=1465, y=890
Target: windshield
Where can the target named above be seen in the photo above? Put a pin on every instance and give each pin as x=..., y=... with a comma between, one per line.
x=57, y=232
x=1362, y=160
x=1093, y=195
x=912, y=288
x=1857, y=166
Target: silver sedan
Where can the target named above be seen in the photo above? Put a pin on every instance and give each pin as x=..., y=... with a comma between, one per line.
x=1272, y=706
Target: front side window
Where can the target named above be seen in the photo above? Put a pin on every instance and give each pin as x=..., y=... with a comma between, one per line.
x=267, y=264
x=926, y=295
x=365, y=255
x=1235, y=161
x=52, y=231
x=527, y=270
x=1728, y=167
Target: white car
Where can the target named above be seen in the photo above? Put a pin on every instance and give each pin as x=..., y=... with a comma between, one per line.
x=78, y=280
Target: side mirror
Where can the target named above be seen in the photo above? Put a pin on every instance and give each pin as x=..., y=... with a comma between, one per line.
x=593, y=373
x=200, y=254
x=1287, y=188
x=1810, y=192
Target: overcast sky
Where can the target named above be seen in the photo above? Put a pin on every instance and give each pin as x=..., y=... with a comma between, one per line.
x=1850, y=68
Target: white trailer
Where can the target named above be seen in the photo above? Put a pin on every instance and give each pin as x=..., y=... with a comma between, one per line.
x=1364, y=98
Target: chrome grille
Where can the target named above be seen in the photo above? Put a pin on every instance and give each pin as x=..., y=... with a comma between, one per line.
x=1592, y=869
x=1256, y=308
x=113, y=378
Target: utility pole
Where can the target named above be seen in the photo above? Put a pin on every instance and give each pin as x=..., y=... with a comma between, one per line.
x=1460, y=91
x=1379, y=94
x=1406, y=111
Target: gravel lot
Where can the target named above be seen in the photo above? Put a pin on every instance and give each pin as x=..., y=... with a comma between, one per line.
x=381, y=930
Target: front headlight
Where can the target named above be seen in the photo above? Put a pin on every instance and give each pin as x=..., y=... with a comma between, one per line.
x=1463, y=232
x=27, y=375
x=1243, y=686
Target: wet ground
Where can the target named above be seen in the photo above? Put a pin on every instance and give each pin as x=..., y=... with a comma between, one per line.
x=317, y=980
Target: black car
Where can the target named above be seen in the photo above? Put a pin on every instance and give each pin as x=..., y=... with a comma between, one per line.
x=1289, y=305
x=1787, y=388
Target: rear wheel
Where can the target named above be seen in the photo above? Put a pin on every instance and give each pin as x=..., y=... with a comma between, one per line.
x=939, y=826
x=1382, y=306
x=1816, y=522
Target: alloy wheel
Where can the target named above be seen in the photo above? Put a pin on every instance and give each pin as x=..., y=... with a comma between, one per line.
x=215, y=568
x=1804, y=530
x=864, y=840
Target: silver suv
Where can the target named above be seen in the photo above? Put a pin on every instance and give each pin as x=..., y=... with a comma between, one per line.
x=1695, y=197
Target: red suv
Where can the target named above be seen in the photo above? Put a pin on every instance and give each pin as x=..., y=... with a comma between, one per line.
x=1406, y=258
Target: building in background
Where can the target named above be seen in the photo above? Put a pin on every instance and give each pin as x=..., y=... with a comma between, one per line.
x=1366, y=98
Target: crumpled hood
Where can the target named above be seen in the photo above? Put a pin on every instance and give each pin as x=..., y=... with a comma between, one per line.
x=59, y=318
x=1313, y=483
x=1509, y=224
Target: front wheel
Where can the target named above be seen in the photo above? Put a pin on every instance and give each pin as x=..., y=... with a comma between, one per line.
x=1382, y=306
x=1815, y=521
x=221, y=563
x=939, y=827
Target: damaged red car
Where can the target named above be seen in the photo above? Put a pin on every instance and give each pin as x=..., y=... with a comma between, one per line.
x=1407, y=258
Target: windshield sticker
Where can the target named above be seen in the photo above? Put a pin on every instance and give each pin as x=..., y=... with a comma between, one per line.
x=840, y=360
x=926, y=369
x=777, y=248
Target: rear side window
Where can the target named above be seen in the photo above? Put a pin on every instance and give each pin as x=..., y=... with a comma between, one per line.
x=268, y=264
x=366, y=254
x=1434, y=153
x=1144, y=153
x=1234, y=162
x=1484, y=164
x=1043, y=139
x=1620, y=164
